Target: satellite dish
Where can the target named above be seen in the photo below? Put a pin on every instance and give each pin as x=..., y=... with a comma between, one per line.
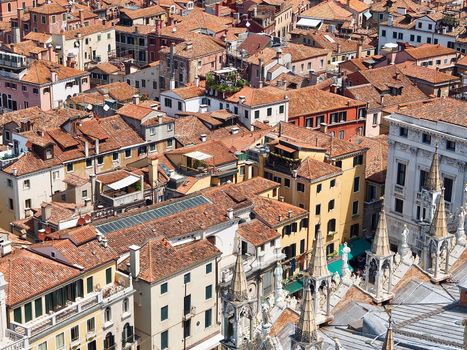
x=89, y=107
x=106, y=108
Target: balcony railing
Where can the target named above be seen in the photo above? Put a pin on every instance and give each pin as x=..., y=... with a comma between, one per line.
x=44, y=322
x=125, y=199
x=12, y=341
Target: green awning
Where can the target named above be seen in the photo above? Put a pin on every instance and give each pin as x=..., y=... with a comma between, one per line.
x=294, y=286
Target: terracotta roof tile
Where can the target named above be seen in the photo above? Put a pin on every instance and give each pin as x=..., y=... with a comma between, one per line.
x=428, y=51
x=257, y=233
x=48, y=9
x=328, y=10
x=312, y=169
x=28, y=274
x=75, y=180
x=300, y=52
x=219, y=153
x=188, y=92
x=258, y=97
x=309, y=100
x=160, y=260
x=119, y=91
x=106, y=67
x=433, y=76
x=376, y=156
x=316, y=140
x=40, y=72
x=145, y=12
x=274, y=212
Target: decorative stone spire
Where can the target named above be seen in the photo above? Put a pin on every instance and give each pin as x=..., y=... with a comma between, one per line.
x=389, y=341
x=439, y=226
x=433, y=182
x=318, y=264
x=380, y=245
x=239, y=290
x=307, y=331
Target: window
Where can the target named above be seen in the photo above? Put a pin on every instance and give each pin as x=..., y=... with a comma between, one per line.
x=302, y=246
x=115, y=156
x=354, y=230
x=403, y=132
x=209, y=268
x=207, y=318
x=27, y=204
x=286, y=182
x=17, y=315
x=331, y=226
x=60, y=341
x=187, y=304
x=164, y=313
x=88, y=163
x=394, y=35
x=246, y=114
x=356, y=184
x=27, y=312
x=355, y=208
x=38, y=307
x=281, y=109
x=127, y=153
x=170, y=126
x=9, y=183
x=419, y=39
x=450, y=145
x=74, y=333
x=309, y=122
x=341, y=134
x=91, y=325
x=179, y=105
x=69, y=167
x=428, y=40
x=423, y=176
x=89, y=284
x=430, y=26
x=26, y=184
x=383, y=33
x=398, y=205
x=400, y=36
x=334, y=117
x=43, y=19
x=165, y=340
x=187, y=328
x=10, y=204
x=318, y=209
x=358, y=160
x=35, y=91
x=332, y=183
x=426, y=138
x=42, y=346
x=142, y=150
x=319, y=188
x=419, y=25
x=100, y=160
x=256, y=114
x=300, y=187
x=107, y=315
x=164, y=288
x=269, y=112
x=208, y=292
x=401, y=170
x=448, y=184
x=412, y=37
x=331, y=205
x=108, y=275
x=187, y=278
x=168, y=102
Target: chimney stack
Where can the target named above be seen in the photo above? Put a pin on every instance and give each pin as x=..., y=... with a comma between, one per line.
x=203, y=137
x=323, y=127
x=50, y=50
x=96, y=146
x=81, y=17
x=134, y=260
x=135, y=99
x=230, y=213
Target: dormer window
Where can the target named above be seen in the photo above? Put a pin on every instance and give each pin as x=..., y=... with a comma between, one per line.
x=49, y=153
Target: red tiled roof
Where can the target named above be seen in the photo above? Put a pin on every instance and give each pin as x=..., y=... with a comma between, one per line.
x=257, y=233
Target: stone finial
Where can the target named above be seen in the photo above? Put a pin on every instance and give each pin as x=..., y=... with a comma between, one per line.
x=439, y=226
x=318, y=264
x=380, y=245
x=433, y=181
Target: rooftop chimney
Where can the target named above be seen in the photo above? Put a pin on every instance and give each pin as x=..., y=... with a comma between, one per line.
x=323, y=127
x=81, y=17
x=189, y=45
x=230, y=213
x=134, y=260
x=46, y=212
x=203, y=137
x=197, y=81
x=241, y=99
x=234, y=130
x=96, y=146
x=281, y=198
x=135, y=99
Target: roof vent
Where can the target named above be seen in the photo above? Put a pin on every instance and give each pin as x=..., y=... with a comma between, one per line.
x=234, y=130
x=203, y=137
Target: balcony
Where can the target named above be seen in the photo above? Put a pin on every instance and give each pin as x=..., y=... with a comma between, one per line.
x=120, y=189
x=121, y=199
x=281, y=163
x=12, y=341
x=72, y=310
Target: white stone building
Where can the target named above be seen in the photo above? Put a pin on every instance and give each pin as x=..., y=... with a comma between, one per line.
x=414, y=133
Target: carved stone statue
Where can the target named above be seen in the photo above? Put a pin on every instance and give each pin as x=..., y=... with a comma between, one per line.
x=404, y=249
x=345, y=269
x=460, y=232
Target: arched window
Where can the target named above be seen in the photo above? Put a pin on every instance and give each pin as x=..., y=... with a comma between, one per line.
x=109, y=341
x=331, y=226
x=126, y=305
x=127, y=334
x=9, y=7
x=107, y=314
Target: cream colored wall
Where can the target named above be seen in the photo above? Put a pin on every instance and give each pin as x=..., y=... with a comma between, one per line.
x=174, y=300
x=348, y=196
